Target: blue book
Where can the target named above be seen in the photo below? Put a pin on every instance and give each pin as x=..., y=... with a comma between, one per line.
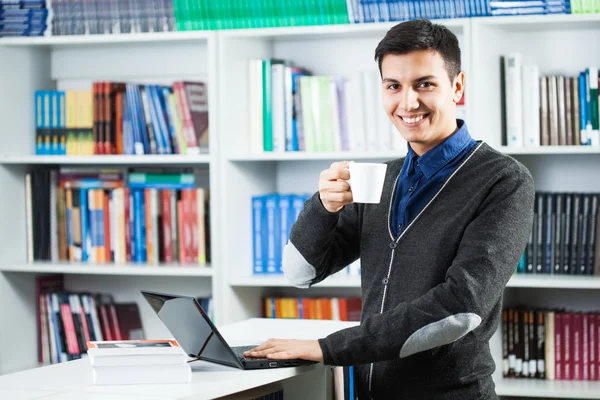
x=285, y=220
x=85, y=227
x=300, y=308
x=133, y=119
x=584, y=104
x=53, y=312
x=139, y=107
x=257, y=241
x=272, y=234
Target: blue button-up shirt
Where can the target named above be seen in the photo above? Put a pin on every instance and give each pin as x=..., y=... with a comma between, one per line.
x=422, y=177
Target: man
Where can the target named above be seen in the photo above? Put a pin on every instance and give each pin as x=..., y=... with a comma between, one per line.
x=438, y=250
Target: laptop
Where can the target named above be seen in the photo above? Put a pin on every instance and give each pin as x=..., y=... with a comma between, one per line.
x=199, y=337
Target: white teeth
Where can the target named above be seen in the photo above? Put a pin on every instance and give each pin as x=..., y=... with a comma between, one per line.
x=413, y=120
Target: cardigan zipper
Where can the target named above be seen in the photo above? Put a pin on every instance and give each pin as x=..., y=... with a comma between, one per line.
x=394, y=242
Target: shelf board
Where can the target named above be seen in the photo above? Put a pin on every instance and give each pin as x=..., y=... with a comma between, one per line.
x=342, y=30
x=548, y=389
x=281, y=281
x=517, y=281
x=107, y=160
x=110, y=269
x=554, y=281
x=542, y=150
x=74, y=40
x=311, y=156
x=542, y=22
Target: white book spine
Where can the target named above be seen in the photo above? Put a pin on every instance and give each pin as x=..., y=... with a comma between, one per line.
x=354, y=114
x=383, y=122
x=289, y=107
x=278, y=107
x=369, y=108
x=514, y=100
x=335, y=116
x=531, y=105
x=255, y=94
x=113, y=225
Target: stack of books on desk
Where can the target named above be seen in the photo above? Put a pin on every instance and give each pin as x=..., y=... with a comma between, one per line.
x=122, y=362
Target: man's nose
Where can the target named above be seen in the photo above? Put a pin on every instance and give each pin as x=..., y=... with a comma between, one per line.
x=409, y=100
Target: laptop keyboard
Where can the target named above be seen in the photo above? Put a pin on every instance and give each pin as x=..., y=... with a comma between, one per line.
x=239, y=353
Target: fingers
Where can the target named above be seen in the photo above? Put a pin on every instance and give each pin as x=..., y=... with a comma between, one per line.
x=337, y=170
x=334, y=192
x=263, y=349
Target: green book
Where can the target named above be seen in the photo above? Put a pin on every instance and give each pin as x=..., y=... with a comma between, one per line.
x=156, y=178
x=267, y=117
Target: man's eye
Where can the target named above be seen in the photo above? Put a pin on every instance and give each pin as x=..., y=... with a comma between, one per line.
x=425, y=84
x=393, y=86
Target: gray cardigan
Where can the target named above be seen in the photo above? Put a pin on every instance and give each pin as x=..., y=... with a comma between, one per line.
x=432, y=297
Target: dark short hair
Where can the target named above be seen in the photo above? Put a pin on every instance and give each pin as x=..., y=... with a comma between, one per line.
x=421, y=34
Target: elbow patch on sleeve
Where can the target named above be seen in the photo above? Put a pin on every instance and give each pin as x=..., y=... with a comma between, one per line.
x=295, y=267
x=439, y=333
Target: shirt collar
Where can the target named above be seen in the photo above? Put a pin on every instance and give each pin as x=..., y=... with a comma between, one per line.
x=436, y=158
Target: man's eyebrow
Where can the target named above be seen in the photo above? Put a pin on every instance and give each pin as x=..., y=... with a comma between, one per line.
x=423, y=78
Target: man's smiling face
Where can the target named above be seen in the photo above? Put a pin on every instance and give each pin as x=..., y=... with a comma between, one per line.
x=420, y=98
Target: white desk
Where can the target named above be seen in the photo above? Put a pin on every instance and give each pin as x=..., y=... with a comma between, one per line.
x=72, y=380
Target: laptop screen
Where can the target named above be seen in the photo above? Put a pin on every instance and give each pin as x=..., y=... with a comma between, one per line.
x=192, y=328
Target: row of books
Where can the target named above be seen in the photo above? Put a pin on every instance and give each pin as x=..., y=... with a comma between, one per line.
x=92, y=217
x=123, y=118
x=564, y=235
x=23, y=18
x=531, y=7
x=548, y=110
x=195, y=15
x=551, y=344
x=133, y=16
x=290, y=110
x=272, y=218
x=67, y=320
x=328, y=308
x=92, y=17
x=365, y=11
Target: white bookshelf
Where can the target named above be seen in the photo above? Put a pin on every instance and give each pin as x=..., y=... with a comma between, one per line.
x=517, y=281
x=316, y=156
x=235, y=174
x=77, y=40
x=73, y=62
x=106, y=160
x=162, y=270
x=280, y=282
x=548, y=389
x=550, y=150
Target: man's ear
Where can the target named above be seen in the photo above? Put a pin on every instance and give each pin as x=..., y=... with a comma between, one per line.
x=458, y=86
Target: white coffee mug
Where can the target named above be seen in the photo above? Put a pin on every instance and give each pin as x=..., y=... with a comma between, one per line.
x=366, y=181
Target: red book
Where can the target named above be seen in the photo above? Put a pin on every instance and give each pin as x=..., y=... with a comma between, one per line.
x=67, y=319
x=567, y=327
x=193, y=217
x=180, y=220
x=108, y=256
x=592, y=346
x=558, y=346
x=43, y=285
x=577, y=353
x=597, y=346
x=118, y=122
x=107, y=118
x=167, y=237
x=585, y=344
